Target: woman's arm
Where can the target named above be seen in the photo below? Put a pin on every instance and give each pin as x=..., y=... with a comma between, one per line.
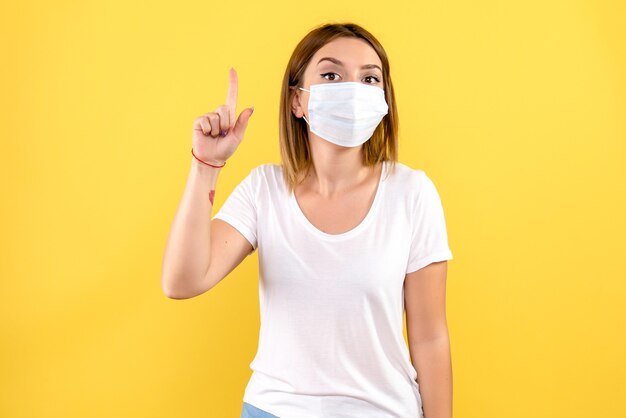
x=199, y=251
x=429, y=343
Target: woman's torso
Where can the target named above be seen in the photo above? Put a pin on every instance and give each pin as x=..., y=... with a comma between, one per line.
x=331, y=341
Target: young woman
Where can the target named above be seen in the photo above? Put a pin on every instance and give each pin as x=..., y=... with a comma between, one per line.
x=348, y=239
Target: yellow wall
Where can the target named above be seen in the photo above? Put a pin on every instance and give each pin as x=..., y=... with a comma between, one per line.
x=515, y=109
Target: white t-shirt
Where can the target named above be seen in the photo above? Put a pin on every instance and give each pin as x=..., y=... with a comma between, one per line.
x=332, y=305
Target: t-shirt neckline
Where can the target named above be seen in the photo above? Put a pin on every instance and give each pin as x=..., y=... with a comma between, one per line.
x=344, y=235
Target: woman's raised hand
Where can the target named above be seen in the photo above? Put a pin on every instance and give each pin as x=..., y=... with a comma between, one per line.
x=216, y=135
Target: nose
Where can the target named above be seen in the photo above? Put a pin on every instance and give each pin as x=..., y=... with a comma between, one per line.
x=352, y=75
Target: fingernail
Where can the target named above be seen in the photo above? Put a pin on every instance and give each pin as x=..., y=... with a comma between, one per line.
x=222, y=133
x=252, y=110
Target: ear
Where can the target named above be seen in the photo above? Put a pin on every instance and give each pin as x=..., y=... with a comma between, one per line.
x=296, y=109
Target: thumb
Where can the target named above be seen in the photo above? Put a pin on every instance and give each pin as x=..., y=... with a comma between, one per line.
x=242, y=122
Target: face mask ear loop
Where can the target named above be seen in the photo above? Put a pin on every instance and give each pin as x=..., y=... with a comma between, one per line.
x=309, y=123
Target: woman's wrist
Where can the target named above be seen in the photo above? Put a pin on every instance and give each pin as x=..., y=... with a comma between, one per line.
x=208, y=163
x=203, y=169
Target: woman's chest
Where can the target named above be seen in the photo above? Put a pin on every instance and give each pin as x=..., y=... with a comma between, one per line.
x=372, y=261
x=335, y=216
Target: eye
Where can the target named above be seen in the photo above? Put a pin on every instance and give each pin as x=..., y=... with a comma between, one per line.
x=374, y=77
x=334, y=76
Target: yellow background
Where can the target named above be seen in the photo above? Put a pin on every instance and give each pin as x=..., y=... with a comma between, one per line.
x=516, y=109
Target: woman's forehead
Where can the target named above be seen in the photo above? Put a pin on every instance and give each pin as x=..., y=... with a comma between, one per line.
x=349, y=51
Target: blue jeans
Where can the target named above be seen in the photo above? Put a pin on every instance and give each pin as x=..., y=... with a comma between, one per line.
x=251, y=411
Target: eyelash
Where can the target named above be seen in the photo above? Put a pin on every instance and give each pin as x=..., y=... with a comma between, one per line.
x=372, y=76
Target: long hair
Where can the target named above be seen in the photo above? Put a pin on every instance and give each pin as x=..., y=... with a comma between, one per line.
x=294, y=145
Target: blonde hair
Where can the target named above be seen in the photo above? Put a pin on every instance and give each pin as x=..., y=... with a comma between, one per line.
x=294, y=145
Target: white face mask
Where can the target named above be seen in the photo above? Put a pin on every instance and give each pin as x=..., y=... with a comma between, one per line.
x=346, y=113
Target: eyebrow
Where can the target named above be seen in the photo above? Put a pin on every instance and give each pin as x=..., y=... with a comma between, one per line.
x=336, y=61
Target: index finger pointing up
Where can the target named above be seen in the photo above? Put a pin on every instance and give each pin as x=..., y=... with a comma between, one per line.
x=231, y=98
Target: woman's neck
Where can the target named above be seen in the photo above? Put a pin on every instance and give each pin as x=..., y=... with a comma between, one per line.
x=335, y=169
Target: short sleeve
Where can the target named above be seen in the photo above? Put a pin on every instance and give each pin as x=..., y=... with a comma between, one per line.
x=429, y=241
x=239, y=208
